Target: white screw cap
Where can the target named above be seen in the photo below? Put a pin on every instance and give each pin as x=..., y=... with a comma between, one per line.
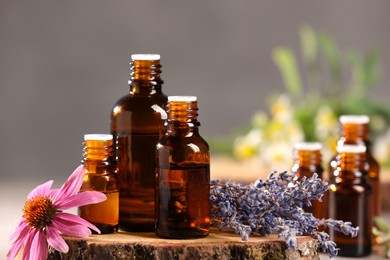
x=145, y=56
x=354, y=119
x=182, y=98
x=308, y=146
x=351, y=148
x=98, y=137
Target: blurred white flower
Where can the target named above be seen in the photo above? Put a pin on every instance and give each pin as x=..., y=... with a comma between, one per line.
x=281, y=109
x=277, y=155
x=260, y=119
x=377, y=123
x=246, y=147
x=326, y=123
x=271, y=139
x=381, y=148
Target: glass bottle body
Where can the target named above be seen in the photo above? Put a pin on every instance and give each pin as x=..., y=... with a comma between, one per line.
x=351, y=200
x=137, y=123
x=182, y=182
x=355, y=131
x=100, y=175
x=307, y=161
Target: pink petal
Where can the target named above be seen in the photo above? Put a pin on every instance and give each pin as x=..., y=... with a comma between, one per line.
x=40, y=190
x=71, y=228
x=76, y=220
x=55, y=240
x=72, y=185
x=21, y=225
x=17, y=244
x=28, y=243
x=80, y=199
x=38, y=249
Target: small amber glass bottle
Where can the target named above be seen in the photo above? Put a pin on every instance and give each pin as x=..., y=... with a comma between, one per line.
x=355, y=130
x=137, y=123
x=182, y=174
x=307, y=161
x=100, y=175
x=350, y=200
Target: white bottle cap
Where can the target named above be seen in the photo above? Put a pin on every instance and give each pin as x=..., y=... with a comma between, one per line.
x=354, y=119
x=308, y=146
x=145, y=56
x=98, y=137
x=182, y=98
x=351, y=148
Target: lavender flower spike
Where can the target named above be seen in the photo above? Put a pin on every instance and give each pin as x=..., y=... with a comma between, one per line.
x=274, y=205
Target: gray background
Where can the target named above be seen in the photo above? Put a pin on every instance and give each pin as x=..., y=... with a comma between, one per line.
x=63, y=64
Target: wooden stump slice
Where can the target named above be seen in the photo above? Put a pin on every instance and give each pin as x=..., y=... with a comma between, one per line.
x=217, y=245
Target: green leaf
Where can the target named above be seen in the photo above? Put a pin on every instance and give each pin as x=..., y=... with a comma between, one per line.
x=331, y=52
x=309, y=46
x=372, y=68
x=377, y=232
x=381, y=225
x=285, y=60
x=357, y=69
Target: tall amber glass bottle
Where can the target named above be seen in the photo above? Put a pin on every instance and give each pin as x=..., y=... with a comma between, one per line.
x=307, y=161
x=350, y=199
x=355, y=130
x=100, y=175
x=183, y=174
x=137, y=123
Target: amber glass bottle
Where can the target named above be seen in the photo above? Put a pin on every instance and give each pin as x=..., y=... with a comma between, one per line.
x=355, y=129
x=183, y=174
x=307, y=161
x=137, y=123
x=350, y=199
x=100, y=175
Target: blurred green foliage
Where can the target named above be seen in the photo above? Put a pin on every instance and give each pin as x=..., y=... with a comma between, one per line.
x=342, y=80
x=322, y=75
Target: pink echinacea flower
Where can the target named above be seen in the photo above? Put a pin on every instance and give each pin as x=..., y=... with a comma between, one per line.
x=43, y=221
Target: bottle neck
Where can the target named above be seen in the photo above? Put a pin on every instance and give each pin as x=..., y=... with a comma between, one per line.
x=145, y=77
x=351, y=165
x=307, y=159
x=182, y=118
x=354, y=133
x=98, y=152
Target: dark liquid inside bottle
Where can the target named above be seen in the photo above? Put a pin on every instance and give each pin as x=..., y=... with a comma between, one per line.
x=137, y=122
x=351, y=200
x=358, y=133
x=307, y=161
x=182, y=175
x=181, y=202
x=136, y=201
x=100, y=175
x=101, y=214
x=350, y=204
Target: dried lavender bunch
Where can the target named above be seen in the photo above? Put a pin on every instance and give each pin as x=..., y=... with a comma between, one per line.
x=274, y=206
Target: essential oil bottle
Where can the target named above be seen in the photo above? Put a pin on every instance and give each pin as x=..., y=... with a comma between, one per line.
x=307, y=161
x=100, y=175
x=355, y=130
x=137, y=123
x=350, y=200
x=182, y=174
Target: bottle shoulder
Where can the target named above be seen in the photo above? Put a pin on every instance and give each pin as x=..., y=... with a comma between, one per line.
x=144, y=113
x=352, y=188
x=130, y=102
x=195, y=142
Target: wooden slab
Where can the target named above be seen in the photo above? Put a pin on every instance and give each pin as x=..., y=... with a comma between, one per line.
x=217, y=245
